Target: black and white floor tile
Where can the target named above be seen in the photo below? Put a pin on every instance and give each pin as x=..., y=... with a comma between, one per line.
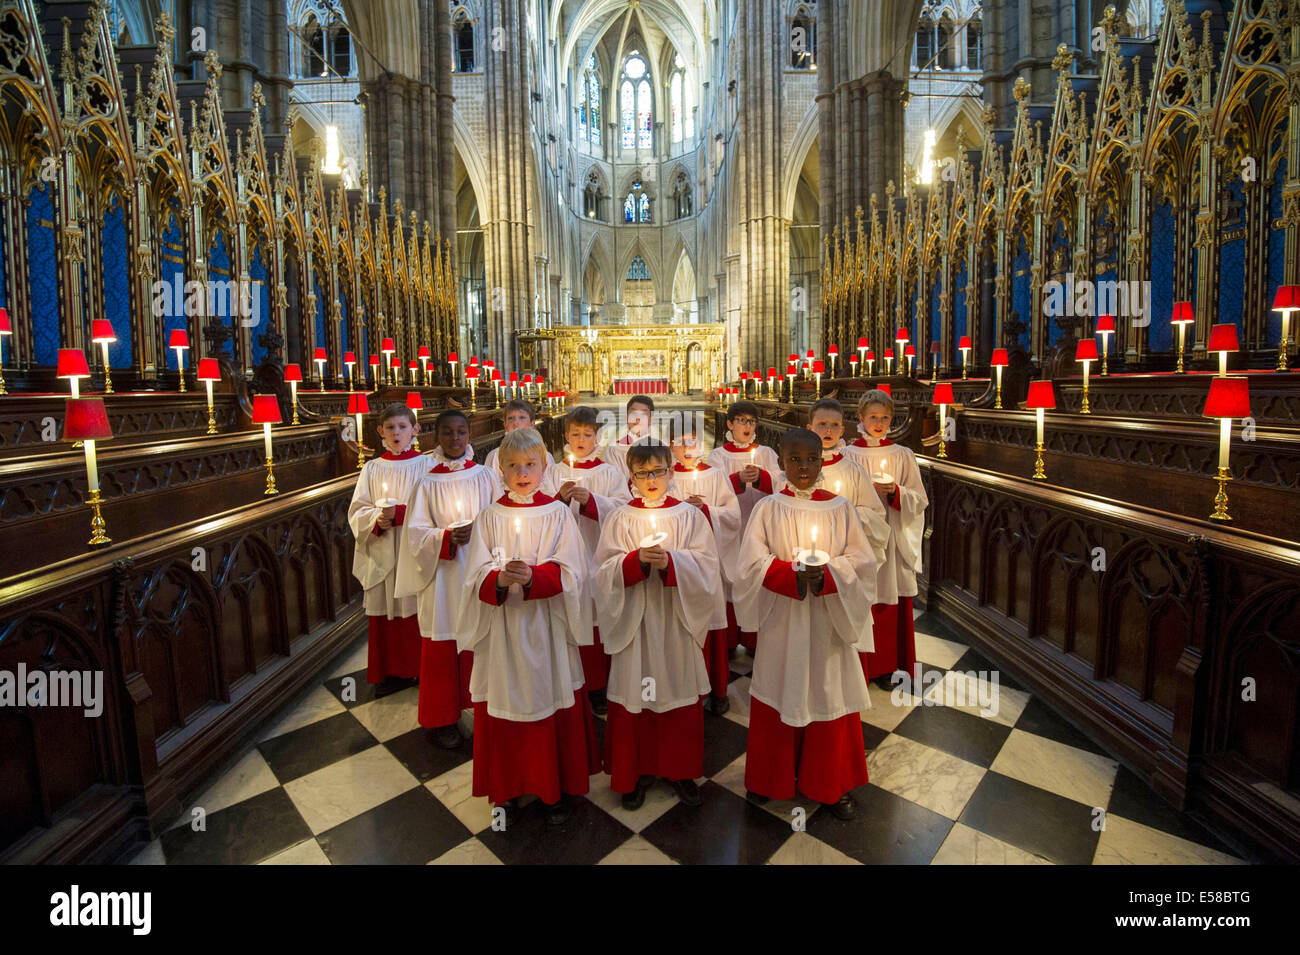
x=337, y=780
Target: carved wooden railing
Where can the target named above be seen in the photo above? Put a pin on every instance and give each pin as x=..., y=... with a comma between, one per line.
x=1274, y=397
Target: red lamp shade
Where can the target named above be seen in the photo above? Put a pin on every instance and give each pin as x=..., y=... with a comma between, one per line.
x=771, y=373
x=819, y=367
x=902, y=335
x=1086, y=350
x=1182, y=314
x=423, y=352
x=833, y=350
x=349, y=358
x=1228, y=398
x=387, y=345
x=179, y=338
x=1223, y=338
x=496, y=374
x=793, y=368
x=473, y=359
x=266, y=409
x=871, y=356
x=935, y=348
x=514, y=378
x=862, y=343
x=943, y=394
x=793, y=359
x=886, y=389
x=999, y=359
x=489, y=364
x=452, y=357
x=394, y=363
x=744, y=376
x=374, y=360
x=540, y=379
x=1105, y=323
x=810, y=354
x=209, y=370
x=887, y=353
x=101, y=330
x=292, y=373
x=853, y=359
x=358, y=403
x=1287, y=296
x=414, y=401
x=72, y=363
x=413, y=365
x=5, y=327
x=471, y=371
x=528, y=379
x=963, y=342
x=1041, y=395
x=909, y=351
x=86, y=419
x=319, y=355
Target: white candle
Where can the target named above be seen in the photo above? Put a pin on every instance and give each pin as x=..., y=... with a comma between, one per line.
x=1086, y=363
x=293, y=391
x=209, y=384
x=76, y=388
x=1039, y=412
x=460, y=514
x=837, y=487
x=1225, y=436
x=695, y=479
x=266, y=438
x=517, y=530
x=385, y=490
x=752, y=453
x=92, y=466
x=813, y=548
x=571, y=467
x=654, y=524
x=1223, y=364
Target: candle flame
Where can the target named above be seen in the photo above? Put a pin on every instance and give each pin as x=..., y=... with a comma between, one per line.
x=814, y=534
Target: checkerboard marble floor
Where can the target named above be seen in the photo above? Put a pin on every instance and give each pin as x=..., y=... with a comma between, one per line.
x=328, y=781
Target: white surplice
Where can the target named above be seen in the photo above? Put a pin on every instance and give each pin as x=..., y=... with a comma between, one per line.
x=441, y=498
x=608, y=486
x=897, y=577
x=651, y=630
x=807, y=666
x=714, y=488
x=731, y=458
x=843, y=476
x=375, y=562
x=526, y=662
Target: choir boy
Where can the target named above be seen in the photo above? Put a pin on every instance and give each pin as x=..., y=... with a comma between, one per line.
x=752, y=468
x=394, y=645
x=640, y=411
x=843, y=475
x=432, y=567
x=900, y=490
x=807, y=687
x=525, y=614
x=709, y=489
x=517, y=413
x=656, y=602
x=593, y=488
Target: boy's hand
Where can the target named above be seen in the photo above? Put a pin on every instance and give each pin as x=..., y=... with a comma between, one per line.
x=696, y=500
x=654, y=557
x=749, y=474
x=517, y=572
x=580, y=494
x=810, y=579
x=384, y=523
x=565, y=491
x=884, y=490
x=460, y=535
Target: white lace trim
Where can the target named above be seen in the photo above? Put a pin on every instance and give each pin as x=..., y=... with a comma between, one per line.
x=828, y=453
x=453, y=464
x=568, y=451
x=521, y=498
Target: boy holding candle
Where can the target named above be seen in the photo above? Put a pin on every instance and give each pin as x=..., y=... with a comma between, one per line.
x=593, y=488
x=432, y=568
x=709, y=489
x=525, y=614
x=897, y=481
x=517, y=413
x=843, y=475
x=657, y=601
x=377, y=516
x=752, y=468
x=640, y=411
x=811, y=611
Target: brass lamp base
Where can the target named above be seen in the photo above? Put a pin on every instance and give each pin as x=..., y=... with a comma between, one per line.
x=998, y=403
x=1039, y=473
x=1221, y=499
x=943, y=448
x=1085, y=408
x=1179, y=370
x=1281, y=362
x=212, y=421
x=97, y=536
x=270, y=479
x=108, y=381
x=295, y=413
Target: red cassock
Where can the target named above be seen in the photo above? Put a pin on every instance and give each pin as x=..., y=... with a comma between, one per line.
x=656, y=622
x=533, y=727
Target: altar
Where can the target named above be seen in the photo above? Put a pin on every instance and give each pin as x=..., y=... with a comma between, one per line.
x=627, y=359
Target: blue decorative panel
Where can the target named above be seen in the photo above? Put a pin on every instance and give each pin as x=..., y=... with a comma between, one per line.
x=262, y=305
x=319, y=323
x=1162, y=276
x=959, y=311
x=344, y=342
x=1020, y=297
x=1232, y=258
x=936, y=320
x=172, y=274
x=117, y=284
x=42, y=276
x=1276, y=264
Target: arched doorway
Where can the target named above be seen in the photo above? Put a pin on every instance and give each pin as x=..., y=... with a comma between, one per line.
x=586, y=369
x=694, y=367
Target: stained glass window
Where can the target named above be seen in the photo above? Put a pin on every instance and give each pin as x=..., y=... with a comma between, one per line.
x=637, y=271
x=629, y=208
x=644, y=208
x=675, y=106
x=643, y=113
x=593, y=102
x=626, y=108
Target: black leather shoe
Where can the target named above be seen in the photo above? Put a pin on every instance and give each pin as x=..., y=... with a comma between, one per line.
x=599, y=705
x=448, y=737
x=392, y=684
x=846, y=808
x=636, y=798
x=687, y=791
x=719, y=705
x=756, y=799
x=557, y=813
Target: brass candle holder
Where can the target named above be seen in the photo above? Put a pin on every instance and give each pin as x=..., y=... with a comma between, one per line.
x=1221, y=498
x=97, y=526
x=270, y=478
x=1039, y=473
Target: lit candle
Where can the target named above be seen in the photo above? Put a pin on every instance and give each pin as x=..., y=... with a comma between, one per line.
x=571, y=467
x=695, y=480
x=752, y=454
x=460, y=514
x=1039, y=413
x=517, y=530
x=1225, y=436
x=92, y=466
x=266, y=436
x=837, y=487
x=654, y=524
x=813, y=549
